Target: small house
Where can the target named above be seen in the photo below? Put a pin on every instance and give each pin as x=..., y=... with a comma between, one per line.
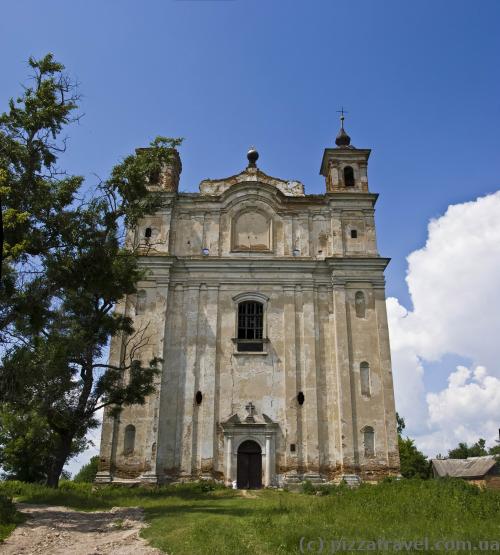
x=481, y=471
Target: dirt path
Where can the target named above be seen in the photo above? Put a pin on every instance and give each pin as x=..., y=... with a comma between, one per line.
x=62, y=531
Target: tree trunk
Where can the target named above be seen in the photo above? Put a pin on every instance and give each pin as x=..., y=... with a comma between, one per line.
x=60, y=458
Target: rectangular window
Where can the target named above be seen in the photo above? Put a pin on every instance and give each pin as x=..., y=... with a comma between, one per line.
x=364, y=374
x=250, y=326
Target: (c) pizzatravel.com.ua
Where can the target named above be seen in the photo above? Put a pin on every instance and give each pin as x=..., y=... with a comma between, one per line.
x=326, y=545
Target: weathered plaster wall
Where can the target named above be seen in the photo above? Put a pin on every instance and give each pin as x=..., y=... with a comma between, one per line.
x=309, y=272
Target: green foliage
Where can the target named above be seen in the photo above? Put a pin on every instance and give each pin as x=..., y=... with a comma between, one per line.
x=413, y=462
x=463, y=451
x=308, y=488
x=88, y=472
x=7, y=510
x=200, y=486
x=495, y=450
x=183, y=520
x=66, y=268
x=401, y=424
x=24, y=445
x=32, y=190
x=27, y=445
x=9, y=517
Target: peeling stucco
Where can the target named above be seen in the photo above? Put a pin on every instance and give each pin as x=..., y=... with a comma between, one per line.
x=309, y=268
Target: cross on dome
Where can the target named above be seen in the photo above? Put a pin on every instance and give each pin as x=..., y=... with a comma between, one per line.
x=343, y=138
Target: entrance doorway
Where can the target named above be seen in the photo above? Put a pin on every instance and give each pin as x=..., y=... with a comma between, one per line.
x=249, y=469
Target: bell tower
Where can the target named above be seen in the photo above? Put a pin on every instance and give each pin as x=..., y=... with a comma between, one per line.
x=345, y=167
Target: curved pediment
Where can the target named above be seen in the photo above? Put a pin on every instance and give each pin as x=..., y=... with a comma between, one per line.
x=215, y=187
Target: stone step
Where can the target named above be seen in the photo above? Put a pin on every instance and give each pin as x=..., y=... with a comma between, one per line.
x=352, y=480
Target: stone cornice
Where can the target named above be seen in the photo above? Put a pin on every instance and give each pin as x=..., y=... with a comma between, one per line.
x=206, y=203
x=347, y=269
x=286, y=272
x=232, y=265
x=339, y=199
x=289, y=263
x=158, y=267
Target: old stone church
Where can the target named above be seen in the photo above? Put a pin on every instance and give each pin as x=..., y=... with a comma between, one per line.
x=267, y=306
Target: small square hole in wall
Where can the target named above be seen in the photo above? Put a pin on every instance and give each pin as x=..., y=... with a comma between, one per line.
x=292, y=447
x=354, y=233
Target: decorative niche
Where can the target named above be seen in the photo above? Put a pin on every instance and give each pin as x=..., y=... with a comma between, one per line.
x=252, y=232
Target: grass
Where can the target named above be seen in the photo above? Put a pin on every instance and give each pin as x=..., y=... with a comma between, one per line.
x=203, y=519
x=9, y=517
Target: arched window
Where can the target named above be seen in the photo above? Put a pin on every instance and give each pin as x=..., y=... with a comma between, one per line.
x=360, y=304
x=198, y=397
x=364, y=376
x=140, y=304
x=148, y=232
x=301, y=398
x=369, y=441
x=129, y=440
x=348, y=177
x=250, y=326
x=154, y=175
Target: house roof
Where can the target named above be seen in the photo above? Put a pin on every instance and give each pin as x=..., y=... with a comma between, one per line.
x=473, y=467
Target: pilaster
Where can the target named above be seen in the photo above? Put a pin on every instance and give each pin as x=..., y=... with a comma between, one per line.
x=207, y=381
x=348, y=437
x=391, y=438
x=310, y=406
x=152, y=434
x=291, y=390
x=191, y=312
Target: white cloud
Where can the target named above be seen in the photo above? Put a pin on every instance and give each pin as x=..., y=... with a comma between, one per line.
x=469, y=407
x=454, y=286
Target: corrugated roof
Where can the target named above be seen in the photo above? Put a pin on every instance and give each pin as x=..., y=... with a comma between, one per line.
x=473, y=467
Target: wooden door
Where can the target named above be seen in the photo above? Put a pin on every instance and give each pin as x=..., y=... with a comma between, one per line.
x=249, y=466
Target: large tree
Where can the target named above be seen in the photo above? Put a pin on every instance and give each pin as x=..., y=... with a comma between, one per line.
x=33, y=190
x=65, y=269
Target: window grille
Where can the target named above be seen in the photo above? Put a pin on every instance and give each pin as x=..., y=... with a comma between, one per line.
x=250, y=326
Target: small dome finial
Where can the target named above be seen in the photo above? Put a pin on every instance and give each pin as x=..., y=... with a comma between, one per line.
x=343, y=138
x=252, y=156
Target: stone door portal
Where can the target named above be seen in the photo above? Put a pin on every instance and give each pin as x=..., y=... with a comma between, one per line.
x=249, y=465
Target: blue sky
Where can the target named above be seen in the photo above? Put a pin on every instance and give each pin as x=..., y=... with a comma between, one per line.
x=420, y=80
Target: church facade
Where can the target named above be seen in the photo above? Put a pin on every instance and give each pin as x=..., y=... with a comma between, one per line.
x=267, y=306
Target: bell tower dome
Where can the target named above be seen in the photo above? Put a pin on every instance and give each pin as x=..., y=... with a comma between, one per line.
x=345, y=167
